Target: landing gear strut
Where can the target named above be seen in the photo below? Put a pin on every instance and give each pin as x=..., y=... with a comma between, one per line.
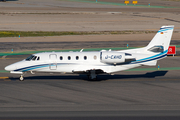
x=92, y=75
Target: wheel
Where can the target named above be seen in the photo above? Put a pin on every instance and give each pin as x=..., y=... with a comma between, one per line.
x=92, y=77
x=21, y=78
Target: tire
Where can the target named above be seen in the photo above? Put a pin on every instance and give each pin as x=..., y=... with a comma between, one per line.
x=21, y=78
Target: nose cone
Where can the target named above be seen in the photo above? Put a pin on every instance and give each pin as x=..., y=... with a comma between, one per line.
x=10, y=68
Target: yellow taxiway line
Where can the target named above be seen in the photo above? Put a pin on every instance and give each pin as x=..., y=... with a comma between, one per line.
x=4, y=77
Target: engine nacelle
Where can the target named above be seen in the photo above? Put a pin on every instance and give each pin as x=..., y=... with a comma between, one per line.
x=110, y=57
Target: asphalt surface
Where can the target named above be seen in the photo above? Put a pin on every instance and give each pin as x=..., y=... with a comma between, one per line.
x=126, y=95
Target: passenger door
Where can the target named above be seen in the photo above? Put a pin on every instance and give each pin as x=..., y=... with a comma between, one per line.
x=53, y=61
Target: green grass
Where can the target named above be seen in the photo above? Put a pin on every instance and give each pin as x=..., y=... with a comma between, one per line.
x=51, y=33
x=122, y=4
x=38, y=33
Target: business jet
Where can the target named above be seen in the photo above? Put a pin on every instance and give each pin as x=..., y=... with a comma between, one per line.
x=94, y=63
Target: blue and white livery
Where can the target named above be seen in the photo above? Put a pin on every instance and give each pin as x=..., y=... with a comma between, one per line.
x=94, y=63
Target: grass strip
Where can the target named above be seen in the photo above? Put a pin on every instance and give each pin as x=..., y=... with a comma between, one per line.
x=53, y=33
x=4, y=71
x=121, y=4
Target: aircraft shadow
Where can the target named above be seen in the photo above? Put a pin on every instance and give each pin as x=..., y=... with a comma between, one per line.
x=99, y=77
x=132, y=76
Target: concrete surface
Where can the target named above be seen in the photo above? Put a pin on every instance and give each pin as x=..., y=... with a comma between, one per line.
x=137, y=94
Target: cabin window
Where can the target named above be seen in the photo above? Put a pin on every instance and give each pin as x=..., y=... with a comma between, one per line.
x=95, y=57
x=77, y=57
x=69, y=58
x=85, y=57
x=38, y=58
x=61, y=58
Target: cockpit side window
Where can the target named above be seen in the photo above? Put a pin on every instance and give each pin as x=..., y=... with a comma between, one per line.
x=34, y=58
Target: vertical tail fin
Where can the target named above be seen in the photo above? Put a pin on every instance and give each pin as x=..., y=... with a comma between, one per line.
x=162, y=38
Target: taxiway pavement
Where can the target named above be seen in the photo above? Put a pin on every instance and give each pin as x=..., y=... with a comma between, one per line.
x=127, y=94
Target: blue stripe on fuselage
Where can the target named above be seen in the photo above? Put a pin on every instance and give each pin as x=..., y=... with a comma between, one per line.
x=150, y=59
x=22, y=69
x=144, y=59
x=36, y=67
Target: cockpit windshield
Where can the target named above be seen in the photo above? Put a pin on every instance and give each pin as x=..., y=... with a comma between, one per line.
x=32, y=57
x=29, y=58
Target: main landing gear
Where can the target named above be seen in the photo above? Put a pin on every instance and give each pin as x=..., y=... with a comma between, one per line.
x=92, y=75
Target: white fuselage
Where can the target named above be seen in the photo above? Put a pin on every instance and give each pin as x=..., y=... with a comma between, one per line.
x=70, y=62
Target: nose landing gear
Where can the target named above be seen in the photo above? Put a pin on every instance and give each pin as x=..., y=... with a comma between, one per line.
x=21, y=78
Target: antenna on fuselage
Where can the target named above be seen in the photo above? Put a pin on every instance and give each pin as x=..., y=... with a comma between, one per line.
x=81, y=50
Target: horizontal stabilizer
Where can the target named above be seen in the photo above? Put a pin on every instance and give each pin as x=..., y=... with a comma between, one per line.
x=150, y=63
x=16, y=72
